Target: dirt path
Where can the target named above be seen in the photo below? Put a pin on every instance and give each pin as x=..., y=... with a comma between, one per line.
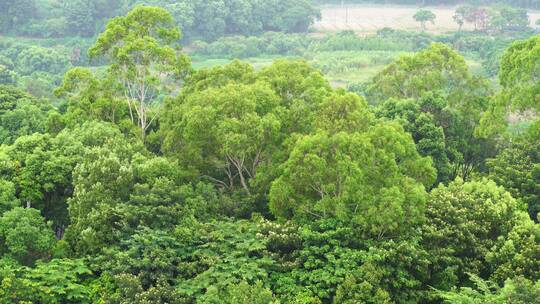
x=370, y=18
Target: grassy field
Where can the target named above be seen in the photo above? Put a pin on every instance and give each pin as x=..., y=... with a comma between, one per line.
x=344, y=67
x=341, y=68
x=257, y=62
x=370, y=18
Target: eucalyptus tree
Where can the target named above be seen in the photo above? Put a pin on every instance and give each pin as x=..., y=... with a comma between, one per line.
x=143, y=52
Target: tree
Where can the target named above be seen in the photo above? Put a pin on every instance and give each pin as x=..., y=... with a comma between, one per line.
x=141, y=49
x=516, y=18
x=429, y=135
x=21, y=114
x=301, y=89
x=93, y=98
x=210, y=20
x=10, y=96
x=461, y=15
x=36, y=58
x=518, y=254
x=7, y=76
x=343, y=113
x=464, y=221
x=440, y=78
x=125, y=287
x=478, y=16
x=41, y=166
x=149, y=254
x=241, y=126
x=40, y=169
x=136, y=191
x=436, y=68
x=8, y=198
x=374, y=179
x=518, y=77
x=293, y=16
x=518, y=74
x=57, y=281
x=334, y=265
x=24, y=236
x=94, y=223
x=509, y=19
x=517, y=168
x=424, y=16
x=237, y=254
x=231, y=124
x=518, y=291
x=26, y=119
x=242, y=293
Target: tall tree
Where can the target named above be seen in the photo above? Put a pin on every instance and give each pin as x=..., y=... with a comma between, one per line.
x=423, y=16
x=374, y=179
x=143, y=51
x=231, y=125
x=460, y=16
x=437, y=67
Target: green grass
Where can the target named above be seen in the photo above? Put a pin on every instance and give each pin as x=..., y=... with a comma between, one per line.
x=340, y=67
x=344, y=67
x=257, y=62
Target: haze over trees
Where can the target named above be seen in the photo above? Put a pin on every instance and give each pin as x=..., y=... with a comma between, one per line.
x=198, y=19
x=144, y=178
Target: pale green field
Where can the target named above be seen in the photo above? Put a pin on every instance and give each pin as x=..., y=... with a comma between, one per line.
x=340, y=68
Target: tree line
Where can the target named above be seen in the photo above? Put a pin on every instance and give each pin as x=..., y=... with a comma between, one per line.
x=205, y=20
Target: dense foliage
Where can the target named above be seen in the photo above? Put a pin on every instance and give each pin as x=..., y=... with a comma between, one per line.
x=199, y=19
x=150, y=181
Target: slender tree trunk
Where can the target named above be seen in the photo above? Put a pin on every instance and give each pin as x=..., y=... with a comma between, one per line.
x=142, y=121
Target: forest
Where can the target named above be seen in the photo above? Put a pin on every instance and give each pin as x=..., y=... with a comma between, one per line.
x=228, y=151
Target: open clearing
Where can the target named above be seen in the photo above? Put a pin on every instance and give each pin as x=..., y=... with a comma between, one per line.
x=370, y=18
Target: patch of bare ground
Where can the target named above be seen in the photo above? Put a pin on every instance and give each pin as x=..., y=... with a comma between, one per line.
x=370, y=18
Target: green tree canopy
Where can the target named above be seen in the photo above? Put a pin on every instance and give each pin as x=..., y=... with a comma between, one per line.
x=376, y=179
x=518, y=291
x=142, y=49
x=464, y=221
x=24, y=236
x=518, y=77
x=517, y=168
x=436, y=68
x=231, y=125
